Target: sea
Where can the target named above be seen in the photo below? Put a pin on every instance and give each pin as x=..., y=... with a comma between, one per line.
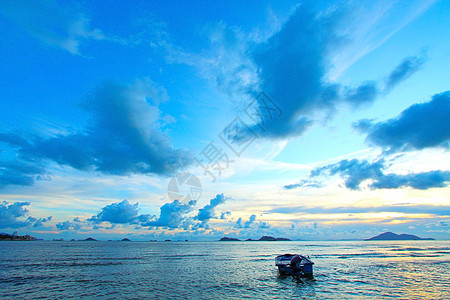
x=223, y=270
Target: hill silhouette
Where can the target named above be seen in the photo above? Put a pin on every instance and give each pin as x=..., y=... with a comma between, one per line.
x=390, y=236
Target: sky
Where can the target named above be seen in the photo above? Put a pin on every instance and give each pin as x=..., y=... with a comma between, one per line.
x=154, y=120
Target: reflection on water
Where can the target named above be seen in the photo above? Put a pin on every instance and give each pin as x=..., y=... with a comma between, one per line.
x=225, y=270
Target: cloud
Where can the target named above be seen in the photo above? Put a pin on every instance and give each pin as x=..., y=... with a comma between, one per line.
x=124, y=136
x=264, y=225
x=355, y=172
x=39, y=222
x=250, y=221
x=67, y=225
x=291, y=63
x=238, y=223
x=208, y=211
x=405, y=69
x=224, y=215
x=12, y=215
x=367, y=92
x=407, y=208
x=291, y=67
x=247, y=224
x=420, y=181
x=173, y=215
x=53, y=24
x=117, y=213
x=420, y=126
x=299, y=52
x=304, y=184
x=16, y=172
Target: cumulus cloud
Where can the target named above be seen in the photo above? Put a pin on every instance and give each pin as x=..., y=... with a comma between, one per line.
x=355, y=172
x=124, y=136
x=12, y=215
x=208, y=211
x=224, y=215
x=39, y=222
x=67, y=225
x=422, y=125
x=117, y=213
x=50, y=22
x=247, y=224
x=122, y=212
x=173, y=215
x=252, y=225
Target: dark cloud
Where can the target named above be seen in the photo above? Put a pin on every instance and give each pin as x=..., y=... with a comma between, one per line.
x=420, y=126
x=117, y=213
x=208, y=211
x=123, y=137
x=406, y=68
x=367, y=92
x=292, y=68
x=17, y=172
x=420, y=181
x=355, y=171
x=12, y=215
x=173, y=215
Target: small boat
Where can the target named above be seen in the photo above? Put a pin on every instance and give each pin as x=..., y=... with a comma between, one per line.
x=294, y=264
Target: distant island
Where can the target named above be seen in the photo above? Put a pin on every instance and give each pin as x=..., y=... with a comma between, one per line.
x=125, y=240
x=227, y=239
x=390, y=236
x=261, y=239
x=89, y=239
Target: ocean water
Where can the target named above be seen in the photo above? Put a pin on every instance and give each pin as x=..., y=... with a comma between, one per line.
x=222, y=270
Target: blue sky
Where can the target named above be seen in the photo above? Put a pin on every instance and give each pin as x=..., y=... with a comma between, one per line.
x=309, y=120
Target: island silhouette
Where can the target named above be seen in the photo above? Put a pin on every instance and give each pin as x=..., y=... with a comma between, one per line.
x=261, y=239
x=390, y=236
